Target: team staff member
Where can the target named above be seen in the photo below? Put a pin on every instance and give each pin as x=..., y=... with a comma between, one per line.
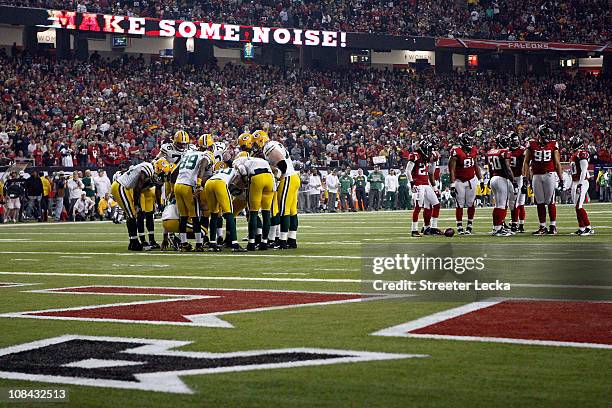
x=287, y=196
x=346, y=191
x=360, y=186
x=192, y=167
x=258, y=174
x=127, y=190
x=219, y=200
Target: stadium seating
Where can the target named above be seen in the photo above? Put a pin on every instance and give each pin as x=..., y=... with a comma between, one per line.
x=585, y=21
x=104, y=113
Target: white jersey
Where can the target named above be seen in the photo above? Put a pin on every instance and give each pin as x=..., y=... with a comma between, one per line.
x=190, y=165
x=130, y=178
x=275, y=146
x=254, y=165
x=218, y=148
x=170, y=212
x=227, y=175
x=170, y=153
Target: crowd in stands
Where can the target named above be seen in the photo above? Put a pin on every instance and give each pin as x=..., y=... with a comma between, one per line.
x=585, y=21
x=104, y=113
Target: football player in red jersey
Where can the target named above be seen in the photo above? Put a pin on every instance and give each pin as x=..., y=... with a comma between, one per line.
x=542, y=161
x=580, y=184
x=421, y=180
x=435, y=170
x=502, y=183
x=517, y=201
x=464, y=176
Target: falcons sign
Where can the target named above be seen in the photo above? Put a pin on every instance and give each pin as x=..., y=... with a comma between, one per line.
x=151, y=365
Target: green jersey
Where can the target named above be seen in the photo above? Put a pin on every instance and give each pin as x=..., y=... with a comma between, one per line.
x=346, y=183
x=402, y=179
x=360, y=181
x=376, y=180
x=89, y=187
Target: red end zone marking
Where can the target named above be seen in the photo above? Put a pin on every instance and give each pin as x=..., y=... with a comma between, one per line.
x=186, y=305
x=547, y=322
x=583, y=322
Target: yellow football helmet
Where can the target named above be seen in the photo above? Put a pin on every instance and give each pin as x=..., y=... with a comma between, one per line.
x=181, y=140
x=260, y=138
x=162, y=167
x=220, y=165
x=206, y=140
x=241, y=154
x=245, y=141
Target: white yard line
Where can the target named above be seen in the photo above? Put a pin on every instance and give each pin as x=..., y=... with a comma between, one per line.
x=249, y=278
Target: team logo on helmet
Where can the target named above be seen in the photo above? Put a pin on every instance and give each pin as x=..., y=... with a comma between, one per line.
x=515, y=140
x=545, y=134
x=162, y=167
x=260, y=138
x=466, y=139
x=245, y=141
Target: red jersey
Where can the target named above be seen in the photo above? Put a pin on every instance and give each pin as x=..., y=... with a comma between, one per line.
x=435, y=164
x=465, y=168
x=517, y=157
x=542, y=156
x=420, y=171
x=575, y=163
x=495, y=157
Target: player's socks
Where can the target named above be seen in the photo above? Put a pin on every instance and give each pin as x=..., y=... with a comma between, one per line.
x=230, y=225
x=542, y=214
x=459, y=217
x=266, y=218
x=552, y=213
x=415, y=226
x=212, y=232
x=252, y=225
x=585, y=217
x=293, y=224
x=427, y=217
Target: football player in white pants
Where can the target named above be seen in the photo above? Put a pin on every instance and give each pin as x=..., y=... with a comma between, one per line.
x=501, y=185
x=580, y=184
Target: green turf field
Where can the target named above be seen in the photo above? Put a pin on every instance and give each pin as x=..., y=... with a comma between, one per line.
x=450, y=373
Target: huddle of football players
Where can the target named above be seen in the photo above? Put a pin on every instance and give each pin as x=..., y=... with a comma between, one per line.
x=203, y=184
x=513, y=169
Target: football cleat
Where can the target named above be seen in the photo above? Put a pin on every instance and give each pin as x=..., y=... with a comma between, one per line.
x=154, y=245
x=578, y=232
x=502, y=233
x=460, y=231
x=186, y=247
x=521, y=228
x=135, y=246
x=426, y=231
x=292, y=243
x=540, y=231
x=587, y=231
x=262, y=246
x=238, y=248
x=145, y=246
x=282, y=244
x=251, y=246
x=552, y=230
x=199, y=248
x=514, y=227
x=214, y=247
x=435, y=231
x=415, y=234
x=219, y=240
x=468, y=231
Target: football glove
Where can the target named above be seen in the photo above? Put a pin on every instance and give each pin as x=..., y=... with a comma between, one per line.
x=453, y=192
x=525, y=187
x=482, y=187
x=561, y=184
x=415, y=189
x=515, y=188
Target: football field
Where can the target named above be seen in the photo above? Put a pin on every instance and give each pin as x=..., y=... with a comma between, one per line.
x=78, y=312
